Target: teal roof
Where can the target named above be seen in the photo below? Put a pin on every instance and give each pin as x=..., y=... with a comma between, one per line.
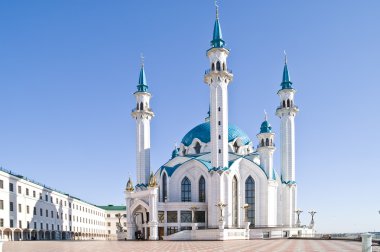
x=142, y=86
x=175, y=152
x=202, y=132
x=113, y=208
x=265, y=127
x=286, y=83
x=217, y=38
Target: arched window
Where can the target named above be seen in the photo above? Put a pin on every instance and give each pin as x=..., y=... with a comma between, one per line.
x=164, y=188
x=141, y=105
x=291, y=103
x=218, y=66
x=262, y=142
x=288, y=103
x=283, y=104
x=250, y=199
x=267, y=142
x=197, y=148
x=185, y=190
x=202, y=189
x=137, y=106
x=234, y=201
x=271, y=142
x=213, y=66
x=236, y=147
x=224, y=66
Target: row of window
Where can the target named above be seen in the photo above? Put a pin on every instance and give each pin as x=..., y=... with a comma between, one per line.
x=57, y=201
x=79, y=229
x=58, y=215
x=186, y=189
x=185, y=216
x=287, y=104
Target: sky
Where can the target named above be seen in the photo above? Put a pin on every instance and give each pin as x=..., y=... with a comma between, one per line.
x=68, y=70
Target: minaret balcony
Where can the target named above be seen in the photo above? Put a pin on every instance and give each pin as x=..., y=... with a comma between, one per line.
x=281, y=110
x=210, y=73
x=145, y=111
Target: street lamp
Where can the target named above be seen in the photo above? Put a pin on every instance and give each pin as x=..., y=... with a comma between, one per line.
x=298, y=212
x=221, y=205
x=312, y=213
x=245, y=207
x=193, y=209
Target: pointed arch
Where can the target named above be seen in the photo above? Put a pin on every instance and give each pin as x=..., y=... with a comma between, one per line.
x=250, y=199
x=288, y=103
x=202, y=189
x=267, y=142
x=197, y=148
x=186, y=190
x=235, y=207
x=218, y=68
x=262, y=142
x=224, y=66
x=164, y=187
x=213, y=66
x=283, y=104
x=141, y=105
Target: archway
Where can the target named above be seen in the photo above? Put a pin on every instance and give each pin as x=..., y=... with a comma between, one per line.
x=8, y=234
x=17, y=234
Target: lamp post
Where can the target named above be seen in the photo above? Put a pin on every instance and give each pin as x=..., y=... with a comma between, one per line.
x=298, y=212
x=193, y=209
x=312, y=213
x=221, y=205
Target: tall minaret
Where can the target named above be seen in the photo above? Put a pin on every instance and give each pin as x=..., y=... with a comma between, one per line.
x=218, y=78
x=287, y=112
x=266, y=147
x=142, y=114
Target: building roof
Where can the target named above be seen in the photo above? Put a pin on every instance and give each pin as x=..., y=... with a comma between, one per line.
x=286, y=83
x=113, y=208
x=265, y=127
x=202, y=132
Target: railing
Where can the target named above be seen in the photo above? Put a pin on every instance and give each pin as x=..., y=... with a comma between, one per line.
x=142, y=110
x=210, y=70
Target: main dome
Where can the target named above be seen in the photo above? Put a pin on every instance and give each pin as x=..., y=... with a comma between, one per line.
x=202, y=132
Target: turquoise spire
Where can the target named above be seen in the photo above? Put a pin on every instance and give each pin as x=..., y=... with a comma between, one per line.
x=217, y=40
x=142, y=86
x=175, y=152
x=286, y=83
x=265, y=126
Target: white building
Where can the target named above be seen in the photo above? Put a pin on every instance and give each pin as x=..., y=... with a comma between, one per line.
x=116, y=222
x=216, y=176
x=32, y=211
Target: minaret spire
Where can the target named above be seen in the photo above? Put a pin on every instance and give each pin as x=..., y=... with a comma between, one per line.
x=142, y=85
x=286, y=83
x=217, y=38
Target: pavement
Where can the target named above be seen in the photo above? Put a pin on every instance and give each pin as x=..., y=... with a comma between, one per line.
x=275, y=245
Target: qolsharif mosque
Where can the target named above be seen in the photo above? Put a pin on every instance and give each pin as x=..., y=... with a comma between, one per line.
x=219, y=184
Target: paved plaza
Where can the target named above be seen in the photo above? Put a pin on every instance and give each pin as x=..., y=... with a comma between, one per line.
x=278, y=245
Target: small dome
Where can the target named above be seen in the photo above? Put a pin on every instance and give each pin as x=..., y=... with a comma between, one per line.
x=202, y=132
x=265, y=127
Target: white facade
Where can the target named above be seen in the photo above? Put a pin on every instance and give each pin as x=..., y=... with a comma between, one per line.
x=115, y=222
x=31, y=211
x=216, y=179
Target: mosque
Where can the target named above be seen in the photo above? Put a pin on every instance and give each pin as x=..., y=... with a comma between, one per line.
x=217, y=184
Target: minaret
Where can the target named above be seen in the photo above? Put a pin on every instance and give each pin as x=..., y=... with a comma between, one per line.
x=142, y=114
x=266, y=147
x=287, y=112
x=218, y=78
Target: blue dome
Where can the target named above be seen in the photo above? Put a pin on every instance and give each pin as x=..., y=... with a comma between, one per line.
x=202, y=132
x=265, y=127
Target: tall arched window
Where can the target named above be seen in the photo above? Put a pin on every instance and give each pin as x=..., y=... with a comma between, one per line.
x=141, y=105
x=250, y=199
x=213, y=66
x=137, y=106
x=234, y=201
x=164, y=188
x=185, y=190
x=218, y=66
x=202, y=189
x=262, y=142
x=288, y=103
x=283, y=104
x=267, y=142
x=224, y=66
x=197, y=148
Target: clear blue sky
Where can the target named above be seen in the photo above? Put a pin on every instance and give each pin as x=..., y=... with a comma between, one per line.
x=68, y=70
